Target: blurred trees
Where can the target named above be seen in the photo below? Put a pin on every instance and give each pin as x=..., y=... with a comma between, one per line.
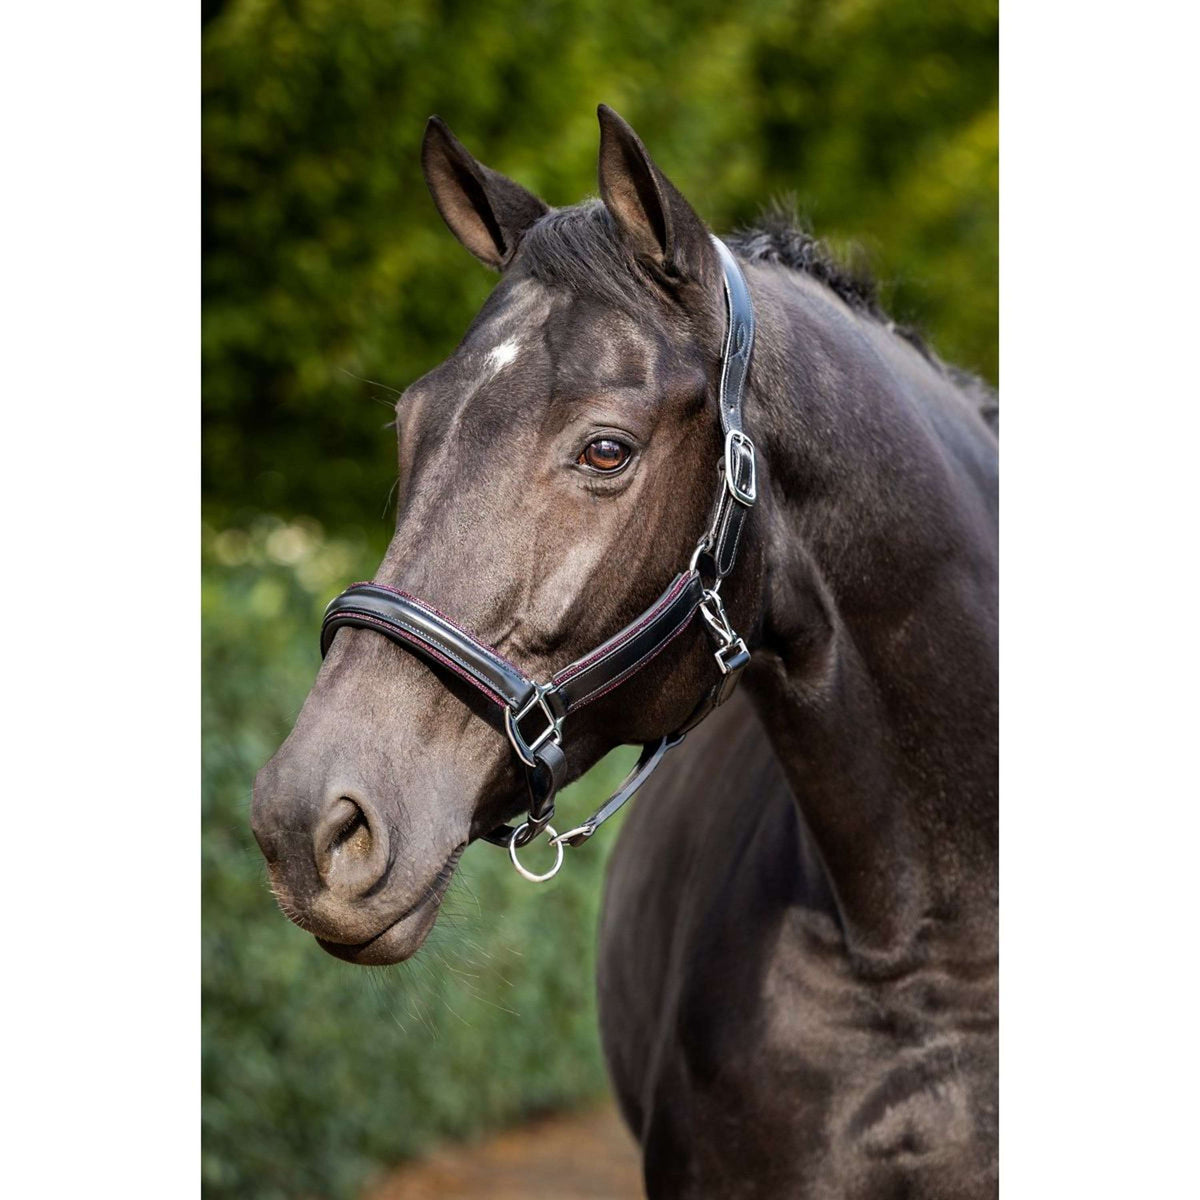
x=326, y=265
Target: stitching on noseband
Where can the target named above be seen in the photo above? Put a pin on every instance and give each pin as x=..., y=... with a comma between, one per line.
x=599, y=655
x=444, y=656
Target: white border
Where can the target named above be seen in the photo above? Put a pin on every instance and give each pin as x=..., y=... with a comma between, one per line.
x=99, y=215
x=100, y=224
x=1098, y=600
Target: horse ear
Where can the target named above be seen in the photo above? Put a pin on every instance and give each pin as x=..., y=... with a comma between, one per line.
x=657, y=221
x=485, y=210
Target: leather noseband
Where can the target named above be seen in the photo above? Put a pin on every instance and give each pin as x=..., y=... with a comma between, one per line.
x=533, y=712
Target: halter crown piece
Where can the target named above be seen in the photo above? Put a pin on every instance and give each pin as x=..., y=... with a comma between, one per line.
x=533, y=712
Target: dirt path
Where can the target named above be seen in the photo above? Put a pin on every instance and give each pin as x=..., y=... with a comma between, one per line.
x=577, y=1156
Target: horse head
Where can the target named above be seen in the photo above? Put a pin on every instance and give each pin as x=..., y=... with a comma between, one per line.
x=555, y=473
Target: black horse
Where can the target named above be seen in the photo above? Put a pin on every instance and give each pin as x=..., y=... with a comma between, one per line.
x=798, y=969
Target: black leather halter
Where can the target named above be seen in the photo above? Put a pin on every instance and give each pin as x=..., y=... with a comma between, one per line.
x=534, y=712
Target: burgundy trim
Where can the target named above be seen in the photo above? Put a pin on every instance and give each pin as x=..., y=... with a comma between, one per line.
x=485, y=646
x=637, y=666
x=354, y=617
x=568, y=673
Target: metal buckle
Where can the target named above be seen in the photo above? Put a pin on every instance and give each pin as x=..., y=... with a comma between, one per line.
x=747, y=494
x=526, y=749
x=732, y=657
x=702, y=551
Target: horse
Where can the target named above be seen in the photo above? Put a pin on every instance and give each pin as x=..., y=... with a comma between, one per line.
x=798, y=956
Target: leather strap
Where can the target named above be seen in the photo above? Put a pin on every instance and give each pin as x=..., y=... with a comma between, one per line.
x=534, y=713
x=610, y=664
x=739, y=340
x=648, y=761
x=416, y=626
x=419, y=627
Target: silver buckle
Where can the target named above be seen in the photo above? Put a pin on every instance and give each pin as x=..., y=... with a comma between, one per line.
x=747, y=494
x=527, y=750
x=732, y=657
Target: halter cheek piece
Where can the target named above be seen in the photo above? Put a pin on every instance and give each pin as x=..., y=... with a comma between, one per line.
x=533, y=712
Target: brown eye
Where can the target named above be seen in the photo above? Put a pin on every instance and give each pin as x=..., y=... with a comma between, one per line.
x=605, y=454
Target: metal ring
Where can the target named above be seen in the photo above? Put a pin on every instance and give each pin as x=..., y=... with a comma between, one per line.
x=564, y=839
x=524, y=871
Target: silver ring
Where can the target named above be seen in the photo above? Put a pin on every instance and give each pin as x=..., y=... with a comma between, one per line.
x=524, y=871
x=561, y=839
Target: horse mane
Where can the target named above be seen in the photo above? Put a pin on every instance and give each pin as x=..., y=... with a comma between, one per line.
x=779, y=236
x=579, y=248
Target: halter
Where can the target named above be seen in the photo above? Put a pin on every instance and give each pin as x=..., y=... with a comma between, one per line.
x=533, y=712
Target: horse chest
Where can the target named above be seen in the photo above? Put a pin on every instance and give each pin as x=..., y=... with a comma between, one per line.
x=777, y=1073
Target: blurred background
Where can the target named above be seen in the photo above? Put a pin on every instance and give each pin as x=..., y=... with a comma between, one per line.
x=330, y=283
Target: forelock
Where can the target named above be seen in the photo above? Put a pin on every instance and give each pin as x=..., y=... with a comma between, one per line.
x=578, y=249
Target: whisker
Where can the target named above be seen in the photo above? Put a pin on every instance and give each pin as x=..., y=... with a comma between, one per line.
x=374, y=382
x=387, y=504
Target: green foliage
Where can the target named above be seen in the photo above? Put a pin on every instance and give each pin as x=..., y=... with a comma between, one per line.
x=316, y=1072
x=326, y=264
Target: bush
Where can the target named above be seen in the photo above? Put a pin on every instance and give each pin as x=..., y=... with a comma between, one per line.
x=317, y=1072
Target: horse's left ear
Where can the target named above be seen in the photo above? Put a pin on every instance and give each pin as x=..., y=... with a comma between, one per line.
x=659, y=224
x=485, y=210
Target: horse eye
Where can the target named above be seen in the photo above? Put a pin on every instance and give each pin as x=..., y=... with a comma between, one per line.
x=605, y=454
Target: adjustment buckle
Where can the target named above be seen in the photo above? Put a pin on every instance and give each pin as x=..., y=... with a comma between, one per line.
x=738, y=447
x=525, y=747
x=732, y=661
x=733, y=657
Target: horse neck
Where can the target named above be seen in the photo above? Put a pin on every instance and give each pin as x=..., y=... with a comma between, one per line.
x=876, y=673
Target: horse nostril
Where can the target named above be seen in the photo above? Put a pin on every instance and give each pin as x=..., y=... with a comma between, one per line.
x=350, y=846
x=355, y=835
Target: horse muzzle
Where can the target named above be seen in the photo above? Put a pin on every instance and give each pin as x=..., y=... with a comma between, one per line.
x=365, y=886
